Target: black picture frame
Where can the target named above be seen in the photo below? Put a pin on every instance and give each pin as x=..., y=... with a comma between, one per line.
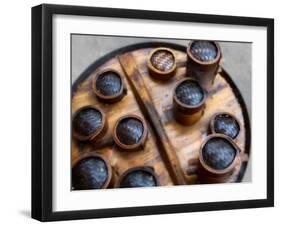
x=42, y=111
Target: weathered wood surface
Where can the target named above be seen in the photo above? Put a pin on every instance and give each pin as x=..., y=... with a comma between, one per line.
x=145, y=101
x=174, y=157
x=120, y=160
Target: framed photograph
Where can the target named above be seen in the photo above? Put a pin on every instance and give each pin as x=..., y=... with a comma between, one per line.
x=147, y=112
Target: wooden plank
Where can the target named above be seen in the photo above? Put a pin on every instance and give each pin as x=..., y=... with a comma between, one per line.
x=187, y=140
x=119, y=160
x=144, y=99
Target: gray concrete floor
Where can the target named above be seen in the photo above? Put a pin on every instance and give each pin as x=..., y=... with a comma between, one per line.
x=237, y=58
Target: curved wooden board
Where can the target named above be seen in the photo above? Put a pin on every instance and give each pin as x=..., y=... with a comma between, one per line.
x=120, y=160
